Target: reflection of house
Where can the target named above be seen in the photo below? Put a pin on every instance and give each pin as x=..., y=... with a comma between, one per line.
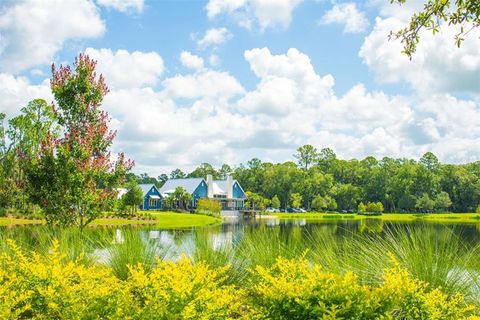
x=152, y=199
x=228, y=192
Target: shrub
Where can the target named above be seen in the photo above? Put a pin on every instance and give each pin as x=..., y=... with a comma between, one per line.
x=45, y=287
x=361, y=207
x=208, y=206
x=34, y=286
x=296, y=289
x=182, y=290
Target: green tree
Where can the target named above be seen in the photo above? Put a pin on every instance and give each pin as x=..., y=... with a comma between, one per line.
x=275, y=202
x=306, y=156
x=26, y=132
x=144, y=178
x=313, y=183
x=347, y=196
x=424, y=203
x=280, y=179
x=162, y=179
x=203, y=170
x=181, y=198
x=256, y=201
x=319, y=203
x=177, y=174
x=331, y=203
x=379, y=207
x=442, y=201
x=327, y=159
x=478, y=209
x=407, y=202
x=296, y=200
x=224, y=171
x=435, y=15
x=73, y=178
x=361, y=207
x=133, y=197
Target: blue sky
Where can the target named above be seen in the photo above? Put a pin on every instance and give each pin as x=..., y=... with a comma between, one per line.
x=216, y=81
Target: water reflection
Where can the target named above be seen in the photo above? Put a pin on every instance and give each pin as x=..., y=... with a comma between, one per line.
x=231, y=232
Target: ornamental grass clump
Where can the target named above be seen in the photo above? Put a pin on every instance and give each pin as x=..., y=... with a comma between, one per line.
x=132, y=248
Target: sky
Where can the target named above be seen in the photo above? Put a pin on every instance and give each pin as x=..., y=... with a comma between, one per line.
x=226, y=81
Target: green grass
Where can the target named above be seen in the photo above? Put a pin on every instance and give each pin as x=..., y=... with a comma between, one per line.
x=120, y=222
x=18, y=221
x=131, y=249
x=174, y=220
x=401, y=217
x=163, y=220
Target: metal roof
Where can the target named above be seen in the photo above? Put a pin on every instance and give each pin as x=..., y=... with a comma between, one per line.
x=189, y=184
x=146, y=187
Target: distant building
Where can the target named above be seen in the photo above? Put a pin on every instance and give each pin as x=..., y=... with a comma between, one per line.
x=228, y=192
x=152, y=199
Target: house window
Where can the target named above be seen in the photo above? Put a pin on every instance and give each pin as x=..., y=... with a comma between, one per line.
x=152, y=203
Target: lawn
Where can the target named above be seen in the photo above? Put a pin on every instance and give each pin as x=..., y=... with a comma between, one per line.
x=173, y=220
x=433, y=217
x=163, y=220
x=5, y=221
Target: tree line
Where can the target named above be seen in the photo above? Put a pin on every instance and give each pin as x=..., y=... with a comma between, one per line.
x=319, y=180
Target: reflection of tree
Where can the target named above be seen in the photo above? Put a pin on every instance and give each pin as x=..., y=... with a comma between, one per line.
x=371, y=226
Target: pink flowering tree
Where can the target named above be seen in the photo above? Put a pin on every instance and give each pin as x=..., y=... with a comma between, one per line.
x=74, y=176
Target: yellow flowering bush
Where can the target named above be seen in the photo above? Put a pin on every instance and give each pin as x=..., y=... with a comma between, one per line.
x=297, y=289
x=182, y=290
x=48, y=287
x=45, y=287
x=51, y=287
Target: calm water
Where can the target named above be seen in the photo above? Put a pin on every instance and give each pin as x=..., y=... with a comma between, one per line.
x=233, y=231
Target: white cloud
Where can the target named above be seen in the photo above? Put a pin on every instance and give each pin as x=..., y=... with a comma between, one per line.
x=354, y=20
x=214, y=37
x=217, y=130
x=16, y=92
x=32, y=32
x=191, y=61
x=123, y=69
x=125, y=6
x=437, y=66
x=248, y=13
x=206, y=84
x=207, y=116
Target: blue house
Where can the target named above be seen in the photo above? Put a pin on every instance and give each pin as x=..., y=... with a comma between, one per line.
x=152, y=199
x=228, y=192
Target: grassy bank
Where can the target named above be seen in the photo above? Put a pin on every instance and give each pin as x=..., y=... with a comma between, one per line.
x=162, y=220
x=174, y=220
x=401, y=217
x=5, y=221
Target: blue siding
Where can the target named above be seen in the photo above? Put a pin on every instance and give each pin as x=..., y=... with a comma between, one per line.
x=237, y=191
x=200, y=192
x=154, y=192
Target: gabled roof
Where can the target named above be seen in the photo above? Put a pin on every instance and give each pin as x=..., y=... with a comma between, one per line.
x=222, y=185
x=146, y=187
x=189, y=184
